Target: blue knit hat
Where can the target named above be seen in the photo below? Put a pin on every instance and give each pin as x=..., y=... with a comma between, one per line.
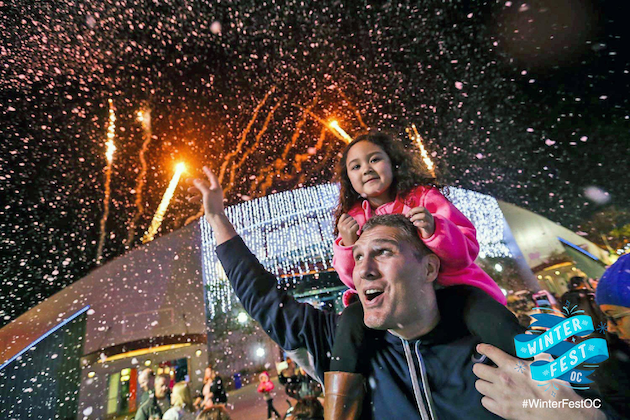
x=614, y=286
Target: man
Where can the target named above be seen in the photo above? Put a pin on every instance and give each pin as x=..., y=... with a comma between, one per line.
x=157, y=404
x=146, y=380
x=419, y=370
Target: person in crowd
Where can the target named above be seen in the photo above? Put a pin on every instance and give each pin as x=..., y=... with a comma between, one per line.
x=265, y=386
x=181, y=403
x=308, y=408
x=212, y=391
x=378, y=176
x=580, y=297
x=613, y=298
x=158, y=403
x=146, y=380
x=421, y=367
x=214, y=413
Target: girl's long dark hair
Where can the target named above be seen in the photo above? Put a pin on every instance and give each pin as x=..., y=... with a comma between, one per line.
x=408, y=171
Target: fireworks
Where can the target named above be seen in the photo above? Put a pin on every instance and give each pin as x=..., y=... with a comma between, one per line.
x=340, y=131
x=109, y=155
x=414, y=135
x=166, y=199
x=144, y=118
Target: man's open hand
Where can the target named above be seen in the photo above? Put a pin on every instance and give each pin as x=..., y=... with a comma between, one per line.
x=506, y=386
x=210, y=192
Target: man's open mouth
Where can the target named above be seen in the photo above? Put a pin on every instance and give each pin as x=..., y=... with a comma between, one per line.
x=371, y=294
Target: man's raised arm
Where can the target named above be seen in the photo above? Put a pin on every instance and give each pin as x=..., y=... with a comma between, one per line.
x=291, y=324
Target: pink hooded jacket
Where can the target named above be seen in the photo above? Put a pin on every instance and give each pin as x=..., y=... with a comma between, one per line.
x=454, y=242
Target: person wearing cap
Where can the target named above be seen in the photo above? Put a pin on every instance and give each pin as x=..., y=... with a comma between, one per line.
x=613, y=298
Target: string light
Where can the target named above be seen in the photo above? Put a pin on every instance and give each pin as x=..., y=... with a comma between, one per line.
x=414, y=135
x=166, y=199
x=291, y=234
x=340, y=131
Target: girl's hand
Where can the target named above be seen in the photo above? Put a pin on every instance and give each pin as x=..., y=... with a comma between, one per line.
x=423, y=220
x=348, y=229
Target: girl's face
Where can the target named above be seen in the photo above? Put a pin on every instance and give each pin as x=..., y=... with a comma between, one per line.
x=370, y=172
x=263, y=377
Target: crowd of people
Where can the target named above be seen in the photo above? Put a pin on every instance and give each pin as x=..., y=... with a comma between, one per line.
x=423, y=322
x=158, y=401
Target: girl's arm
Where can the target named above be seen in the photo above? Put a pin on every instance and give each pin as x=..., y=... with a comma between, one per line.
x=343, y=263
x=454, y=240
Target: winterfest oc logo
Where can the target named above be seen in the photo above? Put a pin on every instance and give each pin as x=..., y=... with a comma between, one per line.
x=555, y=341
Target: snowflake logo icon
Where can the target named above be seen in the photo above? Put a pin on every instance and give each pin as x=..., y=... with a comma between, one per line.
x=585, y=323
x=523, y=349
x=520, y=367
x=546, y=372
x=602, y=327
x=553, y=393
x=591, y=348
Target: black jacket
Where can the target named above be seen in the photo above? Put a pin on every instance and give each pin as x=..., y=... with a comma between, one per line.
x=431, y=374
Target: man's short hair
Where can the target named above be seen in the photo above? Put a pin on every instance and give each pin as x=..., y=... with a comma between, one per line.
x=164, y=376
x=408, y=232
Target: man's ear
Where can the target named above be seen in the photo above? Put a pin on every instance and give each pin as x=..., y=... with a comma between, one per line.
x=432, y=267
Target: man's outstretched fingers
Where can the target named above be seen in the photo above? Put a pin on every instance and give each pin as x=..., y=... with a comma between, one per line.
x=214, y=181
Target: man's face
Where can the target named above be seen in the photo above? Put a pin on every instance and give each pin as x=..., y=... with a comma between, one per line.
x=161, y=387
x=393, y=284
x=621, y=326
x=145, y=380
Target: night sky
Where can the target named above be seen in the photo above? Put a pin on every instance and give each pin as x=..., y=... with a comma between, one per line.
x=524, y=101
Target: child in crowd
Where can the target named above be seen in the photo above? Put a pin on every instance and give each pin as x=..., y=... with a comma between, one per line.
x=265, y=387
x=378, y=176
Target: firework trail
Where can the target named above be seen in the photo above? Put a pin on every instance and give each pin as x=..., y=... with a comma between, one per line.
x=334, y=125
x=270, y=172
x=166, y=199
x=414, y=135
x=241, y=142
x=233, y=153
x=144, y=117
x=352, y=107
x=256, y=143
x=109, y=154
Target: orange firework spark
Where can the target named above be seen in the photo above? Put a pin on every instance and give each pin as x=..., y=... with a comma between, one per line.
x=109, y=155
x=166, y=199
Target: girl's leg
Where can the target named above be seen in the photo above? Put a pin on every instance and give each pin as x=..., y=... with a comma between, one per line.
x=269, y=408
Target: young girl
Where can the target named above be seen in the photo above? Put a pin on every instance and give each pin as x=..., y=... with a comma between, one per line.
x=265, y=387
x=378, y=176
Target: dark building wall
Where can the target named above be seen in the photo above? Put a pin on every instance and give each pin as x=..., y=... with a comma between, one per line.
x=43, y=383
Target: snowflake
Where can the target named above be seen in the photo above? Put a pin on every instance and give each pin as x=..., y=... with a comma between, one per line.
x=546, y=372
x=602, y=327
x=553, y=393
x=520, y=367
x=567, y=303
x=591, y=347
x=585, y=322
x=523, y=349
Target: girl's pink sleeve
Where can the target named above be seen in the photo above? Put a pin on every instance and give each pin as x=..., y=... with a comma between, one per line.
x=455, y=238
x=343, y=262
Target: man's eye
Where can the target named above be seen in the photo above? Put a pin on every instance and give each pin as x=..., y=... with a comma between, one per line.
x=383, y=252
x=358, y=257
